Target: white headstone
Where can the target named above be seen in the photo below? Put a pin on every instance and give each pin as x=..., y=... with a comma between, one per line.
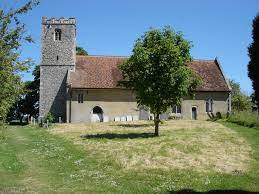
x=105, y=119
x=135, y=118
x=129, y=118
x=123, y=118
x=116, y=119
x=59, y=119
x=95, y=118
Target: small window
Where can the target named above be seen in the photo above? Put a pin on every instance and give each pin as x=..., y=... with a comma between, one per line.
x=57, y=34
x=80, y=98
x=57, y=58
x=209, y=105
x=176, y=109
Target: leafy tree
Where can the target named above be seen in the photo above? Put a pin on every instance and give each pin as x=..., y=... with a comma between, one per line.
x=240, y=101
x=253, y=52
x=12, y=34
x=81, y=51
x=157, y=71
x=28, y=102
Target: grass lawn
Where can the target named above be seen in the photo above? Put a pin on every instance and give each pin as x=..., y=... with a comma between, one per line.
x=127, y=158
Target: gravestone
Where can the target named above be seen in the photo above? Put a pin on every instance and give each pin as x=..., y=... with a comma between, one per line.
x=123, y=118
x=105, y=119
x=116, y=119
x=129, y=118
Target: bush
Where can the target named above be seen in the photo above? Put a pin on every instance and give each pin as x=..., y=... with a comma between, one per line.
x=49, y=117
x=2, y=130
x=246, y=119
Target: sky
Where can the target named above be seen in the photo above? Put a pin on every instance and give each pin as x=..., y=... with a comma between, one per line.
x=216, y=28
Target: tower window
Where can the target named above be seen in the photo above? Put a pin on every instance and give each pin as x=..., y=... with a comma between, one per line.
x=57, y=58
x=57, y=34
x=209, y=105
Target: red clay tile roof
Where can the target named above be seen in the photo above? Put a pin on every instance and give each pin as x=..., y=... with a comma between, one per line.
x=102, y=72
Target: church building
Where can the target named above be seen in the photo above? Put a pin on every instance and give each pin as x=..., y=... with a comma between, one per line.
x=84, y=88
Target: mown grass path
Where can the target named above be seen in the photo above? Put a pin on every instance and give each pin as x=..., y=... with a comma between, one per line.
x=33, y=160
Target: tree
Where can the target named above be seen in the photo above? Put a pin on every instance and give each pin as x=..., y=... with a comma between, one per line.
x=12, y=34
x=157, y=71
x=240, y=101
x=81, y=51
x=253, y=52
x=28, y=102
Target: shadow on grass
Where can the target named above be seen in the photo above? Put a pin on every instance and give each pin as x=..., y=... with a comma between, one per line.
x=212, y=191
x=131, y=125
x=118, y=136
x=18, y=123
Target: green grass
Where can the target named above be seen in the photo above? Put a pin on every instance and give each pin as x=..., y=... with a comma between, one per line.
x=246, y=119
x=91, y=158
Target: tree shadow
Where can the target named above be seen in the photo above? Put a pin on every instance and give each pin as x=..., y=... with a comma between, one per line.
x=212, y=191
x=18, y=123
x=118, y=136
x=131, y=125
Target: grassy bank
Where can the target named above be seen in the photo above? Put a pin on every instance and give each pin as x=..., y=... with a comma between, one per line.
x=246, y=119
x=127, y=158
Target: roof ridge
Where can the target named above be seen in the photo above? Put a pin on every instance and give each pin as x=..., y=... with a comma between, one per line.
x=204, y=60
x=121, y=56
x=102, y=56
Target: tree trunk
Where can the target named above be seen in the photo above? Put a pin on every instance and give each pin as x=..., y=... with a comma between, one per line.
x=156, y=120
x=20, y=119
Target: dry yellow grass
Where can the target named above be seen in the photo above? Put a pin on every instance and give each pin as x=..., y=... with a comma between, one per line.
x=197, y=145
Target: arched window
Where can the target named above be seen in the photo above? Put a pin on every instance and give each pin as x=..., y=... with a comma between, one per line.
x=176, y=109
x=209, y=105
x=57, y=34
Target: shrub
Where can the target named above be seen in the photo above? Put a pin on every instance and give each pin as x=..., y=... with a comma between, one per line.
x=49, y=117
x=2, y=130
x=247, y=119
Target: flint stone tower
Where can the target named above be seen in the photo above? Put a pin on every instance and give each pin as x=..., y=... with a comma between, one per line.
x=58, y=57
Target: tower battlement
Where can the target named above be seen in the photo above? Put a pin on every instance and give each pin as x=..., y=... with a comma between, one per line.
x=58, y=56
x=62, y=20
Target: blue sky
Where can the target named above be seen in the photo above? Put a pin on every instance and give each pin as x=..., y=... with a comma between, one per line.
x=109, y=27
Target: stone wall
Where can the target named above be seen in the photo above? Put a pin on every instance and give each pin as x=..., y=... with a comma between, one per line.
x=120, y=102
x=220, y=104
x=114, y=103
x=58, y=56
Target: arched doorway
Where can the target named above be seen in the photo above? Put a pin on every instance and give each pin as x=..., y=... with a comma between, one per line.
x=194, y=113
x=97, y=114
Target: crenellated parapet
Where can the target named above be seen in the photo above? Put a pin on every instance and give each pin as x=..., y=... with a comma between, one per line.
x=63, y=21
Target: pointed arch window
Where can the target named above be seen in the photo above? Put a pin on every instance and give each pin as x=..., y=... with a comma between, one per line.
x=177, y=109
x=209, y=105
x=57, y=34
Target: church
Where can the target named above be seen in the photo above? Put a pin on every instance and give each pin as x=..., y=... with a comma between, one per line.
x=84, y=88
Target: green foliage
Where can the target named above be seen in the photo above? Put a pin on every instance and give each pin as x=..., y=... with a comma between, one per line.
x=81, y=51
x=28, y=101
x=12, y=34
x=2, y=130
x=49, y=117
x=240, y=101
x=244, y=118
x=253, y=52
x=157, y=70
